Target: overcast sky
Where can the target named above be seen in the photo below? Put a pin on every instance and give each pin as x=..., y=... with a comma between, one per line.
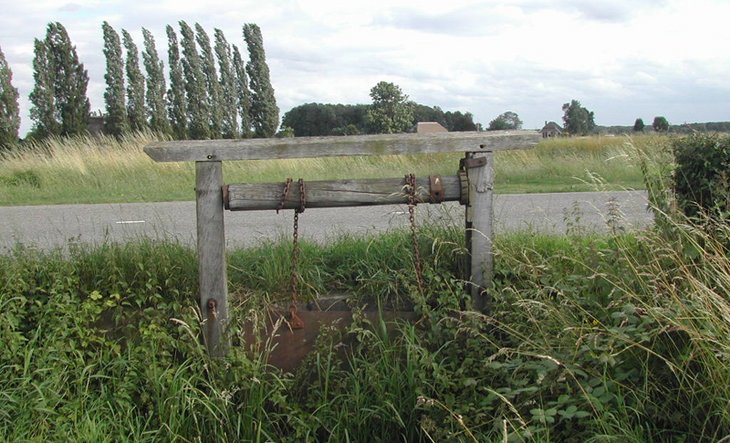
x=622, y=59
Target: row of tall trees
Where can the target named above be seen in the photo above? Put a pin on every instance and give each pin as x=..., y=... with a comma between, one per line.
x=9, y=110
x=212, y=94
x=59, y=106
x=391, y=111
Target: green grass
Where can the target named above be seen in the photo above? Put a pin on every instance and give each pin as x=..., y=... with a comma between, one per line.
x=618, y=337
x=106, y=170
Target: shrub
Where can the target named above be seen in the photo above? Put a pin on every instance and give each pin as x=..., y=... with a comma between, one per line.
x=702, y=175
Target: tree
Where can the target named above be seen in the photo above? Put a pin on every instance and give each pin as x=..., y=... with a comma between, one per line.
x=460, y=121
x=59, y=102
x=135, y=86
x=229, y=88
x=423, y=113
x=42, y=97
x=577, y=119
x=639, y=125
x=197, y=96
x=660, y=124
x=115, y=122
x=244, y=94
x=155, y=91
x=506, y=120
x=176, y=107
x=311, y=119
x=212, y=85
x=9, y=110
x=264, y=111
x=390, y=111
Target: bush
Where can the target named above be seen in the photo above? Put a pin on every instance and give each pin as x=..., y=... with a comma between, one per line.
x=702, y=177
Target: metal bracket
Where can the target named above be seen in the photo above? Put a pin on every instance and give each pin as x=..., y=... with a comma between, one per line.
x=436, y=189
x=464, y=191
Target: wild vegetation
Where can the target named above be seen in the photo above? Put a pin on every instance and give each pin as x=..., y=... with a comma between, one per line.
x=107, y=169
x=616, y=337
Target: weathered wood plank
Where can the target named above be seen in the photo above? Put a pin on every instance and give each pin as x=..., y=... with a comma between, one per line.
x=212, y=276
x=308, y=147
x=335, y=193
x=480, y=215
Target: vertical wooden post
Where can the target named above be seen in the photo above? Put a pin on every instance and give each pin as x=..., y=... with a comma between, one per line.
x=213, y=283
x=479, y=219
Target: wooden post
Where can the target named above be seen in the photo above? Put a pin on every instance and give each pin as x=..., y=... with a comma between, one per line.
x=212, y=275
x=479, y=219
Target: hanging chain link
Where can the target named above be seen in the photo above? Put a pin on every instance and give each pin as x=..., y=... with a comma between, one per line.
x=284, y=194
x=412, y=201
x=294, y=320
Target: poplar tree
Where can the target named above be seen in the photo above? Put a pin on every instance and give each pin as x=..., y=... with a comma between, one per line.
x=60, y=105
x=213, y=87
x=244, y=95
x=135, y=86
x=155, y=90
x=176, y=108
x=9, y=111
x=197, y=98
x=264, y=112
x=115, y=122
x=229, y=89
x=42, y=97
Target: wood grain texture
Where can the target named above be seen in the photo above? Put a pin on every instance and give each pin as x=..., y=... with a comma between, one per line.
x=212, y=274
x=335, y=193
x=338, y=146
x=480, y=216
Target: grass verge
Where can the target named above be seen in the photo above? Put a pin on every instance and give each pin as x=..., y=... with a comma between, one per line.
x=620, y=337
x=108, y=170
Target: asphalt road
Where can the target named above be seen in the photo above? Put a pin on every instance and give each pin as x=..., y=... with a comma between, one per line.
x=49, y=227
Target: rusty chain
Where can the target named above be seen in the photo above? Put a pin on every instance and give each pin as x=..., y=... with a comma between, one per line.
x=412, y=201
x=295, y=321
x=284, y=194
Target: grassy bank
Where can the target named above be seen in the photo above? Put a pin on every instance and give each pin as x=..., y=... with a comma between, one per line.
x=623, y=337
x=99, y=170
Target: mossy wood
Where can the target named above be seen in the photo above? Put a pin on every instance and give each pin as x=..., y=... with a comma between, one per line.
x=336, y=193
x=339, y=146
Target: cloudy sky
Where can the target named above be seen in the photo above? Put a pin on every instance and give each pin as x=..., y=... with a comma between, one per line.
x=622, y=59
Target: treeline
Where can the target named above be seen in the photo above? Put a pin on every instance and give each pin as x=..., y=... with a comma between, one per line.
x=321, y=119
x=684, y=128
x=212, y=93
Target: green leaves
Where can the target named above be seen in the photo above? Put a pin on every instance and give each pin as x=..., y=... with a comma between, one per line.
x=391, y=112
x=9, y=110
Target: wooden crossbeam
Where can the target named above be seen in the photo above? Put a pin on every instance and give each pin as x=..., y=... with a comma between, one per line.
x=339, y=146
x=336, y=193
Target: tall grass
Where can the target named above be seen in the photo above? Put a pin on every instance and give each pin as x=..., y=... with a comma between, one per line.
x=622, y=336
x=105, y=169
x=618, y=337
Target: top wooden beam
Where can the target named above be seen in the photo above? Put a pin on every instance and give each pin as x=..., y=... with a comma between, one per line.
x=338, y=146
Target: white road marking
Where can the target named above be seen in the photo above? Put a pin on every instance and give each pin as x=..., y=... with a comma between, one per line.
x=129, y=222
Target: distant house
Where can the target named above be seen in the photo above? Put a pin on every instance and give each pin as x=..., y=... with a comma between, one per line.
x=551, y=129
x=429, y=127
x=96, y=123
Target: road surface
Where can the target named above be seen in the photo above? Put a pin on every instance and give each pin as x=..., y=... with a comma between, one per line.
x=49, y=227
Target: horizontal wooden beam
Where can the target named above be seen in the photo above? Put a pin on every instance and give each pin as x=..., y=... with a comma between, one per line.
x=335, y=193
x=337, y=146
